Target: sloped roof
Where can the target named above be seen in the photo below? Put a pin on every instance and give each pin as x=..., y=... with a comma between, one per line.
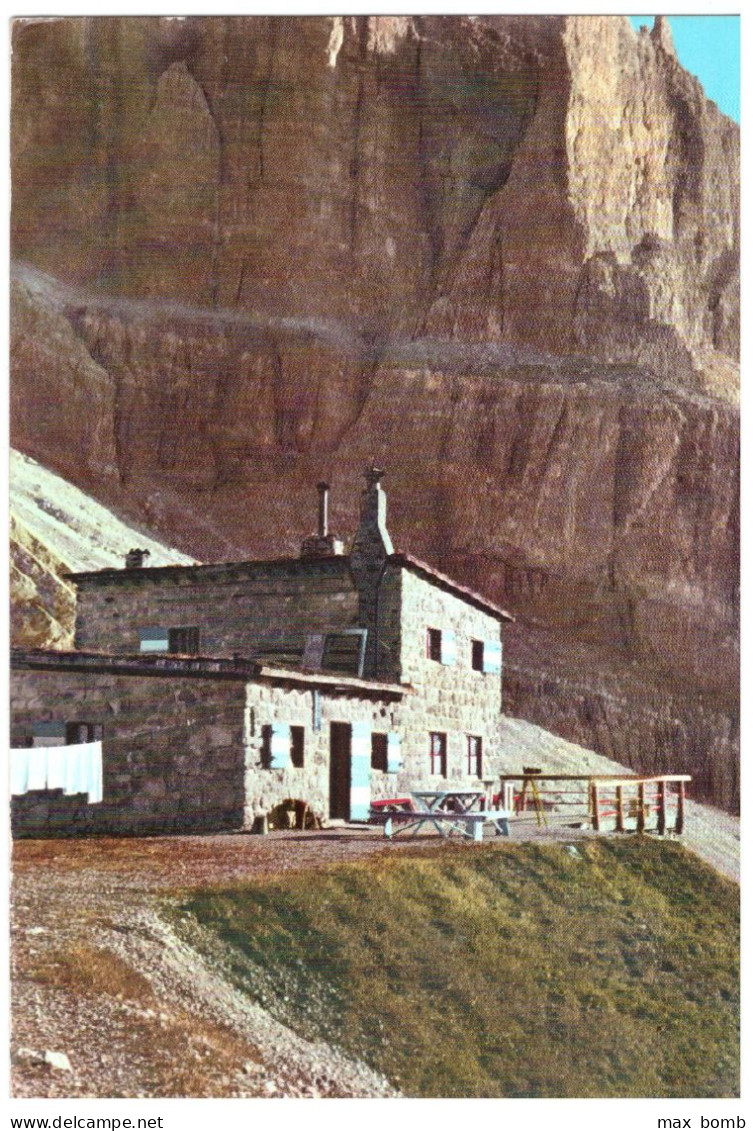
x=430, y=573
x=211, y=569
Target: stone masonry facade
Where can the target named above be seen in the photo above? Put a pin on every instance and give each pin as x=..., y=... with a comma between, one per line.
x=183, y=752
x=264, y=787
x=186, y=739
x=238, y=608
x=173, y=750
x=452, y=699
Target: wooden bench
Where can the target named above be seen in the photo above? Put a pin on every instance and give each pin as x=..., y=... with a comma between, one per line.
x=445, y=823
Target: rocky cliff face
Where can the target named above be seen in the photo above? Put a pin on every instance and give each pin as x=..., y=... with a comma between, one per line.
x=560, y=182
x=499, y=254
x=56, y=529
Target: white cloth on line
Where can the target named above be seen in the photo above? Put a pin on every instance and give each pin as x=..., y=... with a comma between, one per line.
x=37, y=768
x=57, y=762
x=73, y=782
x=77, y=776
x=19, y=771
x=84, y=770
x=91, y=768
x=74, y=769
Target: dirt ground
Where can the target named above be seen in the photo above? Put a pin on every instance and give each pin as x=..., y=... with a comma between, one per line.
x=99, y=975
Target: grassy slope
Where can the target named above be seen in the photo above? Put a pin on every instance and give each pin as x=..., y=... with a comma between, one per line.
x=609, y=969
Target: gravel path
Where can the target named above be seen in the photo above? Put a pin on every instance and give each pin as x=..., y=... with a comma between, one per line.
x=97, y=974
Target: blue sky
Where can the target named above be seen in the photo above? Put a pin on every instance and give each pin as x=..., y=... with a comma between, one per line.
x=708, y=46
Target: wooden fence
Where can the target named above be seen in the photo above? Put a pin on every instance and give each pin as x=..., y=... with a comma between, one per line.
x=621, y=803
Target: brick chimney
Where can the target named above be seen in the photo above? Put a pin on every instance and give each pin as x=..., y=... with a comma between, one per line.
x=135, y=558
x=323, y=544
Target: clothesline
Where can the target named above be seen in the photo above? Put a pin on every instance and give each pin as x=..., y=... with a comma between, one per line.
x=74, y=769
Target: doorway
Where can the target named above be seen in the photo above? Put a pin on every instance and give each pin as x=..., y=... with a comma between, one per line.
x=340, y=771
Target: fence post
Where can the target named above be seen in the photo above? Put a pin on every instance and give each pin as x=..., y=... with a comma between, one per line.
x=619, y=808
x=641, y=807
x=680, y=810
x=661, y=807
x=594, y=806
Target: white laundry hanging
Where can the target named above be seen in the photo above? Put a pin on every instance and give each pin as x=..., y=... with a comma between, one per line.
x=57, y=764
x=74, y=769
x=73, y=779
x=77, y=769
x=37, y=768
x=19, y=772
x=91, y=761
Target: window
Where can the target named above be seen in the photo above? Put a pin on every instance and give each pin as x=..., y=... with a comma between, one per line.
x=49, y=734
x=184, y=641
x=478, y=655
x=474, y=755
x=380, y=752
x=434, y=644
x=77, y=733
x=297, y=747
x=279, y=745
x=153, y=640
x=343, y=652
x=437, y=753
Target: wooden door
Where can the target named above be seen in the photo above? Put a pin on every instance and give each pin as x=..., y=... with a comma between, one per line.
x=340, y=770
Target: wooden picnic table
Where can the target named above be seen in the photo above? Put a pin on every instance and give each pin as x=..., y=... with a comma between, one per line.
x=446, y=810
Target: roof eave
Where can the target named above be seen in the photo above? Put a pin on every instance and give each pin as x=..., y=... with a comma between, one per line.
x=111, y=573
x=209, y=667
x=443, y=581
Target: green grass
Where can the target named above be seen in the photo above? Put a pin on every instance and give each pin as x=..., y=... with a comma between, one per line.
x=514, y=970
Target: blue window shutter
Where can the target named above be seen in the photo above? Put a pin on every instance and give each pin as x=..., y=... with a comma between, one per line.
x=280, y=746
x=395, y=761
x=492, y=656
x=153, y=640
x=361, y=751
x=448, y=647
